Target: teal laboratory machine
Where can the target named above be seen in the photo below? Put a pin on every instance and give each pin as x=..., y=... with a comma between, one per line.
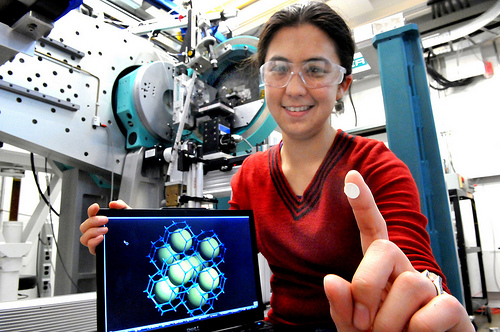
x=412, y=136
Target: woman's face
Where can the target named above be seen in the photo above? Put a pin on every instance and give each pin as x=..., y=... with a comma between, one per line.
x=302, y=112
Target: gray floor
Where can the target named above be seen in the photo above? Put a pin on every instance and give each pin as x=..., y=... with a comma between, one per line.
x=481, y=320
x=484, y=326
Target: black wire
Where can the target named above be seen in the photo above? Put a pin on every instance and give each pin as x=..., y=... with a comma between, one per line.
x=353, y=107
x=32, y=157
x=441, y=80
x=37, y=267
x=445, y=82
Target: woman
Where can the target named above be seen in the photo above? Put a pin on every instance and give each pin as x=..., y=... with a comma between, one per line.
x=332, y=255
x=305, y=226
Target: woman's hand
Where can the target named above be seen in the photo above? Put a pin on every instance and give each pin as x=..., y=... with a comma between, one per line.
x=92, y=230
x=386, y=292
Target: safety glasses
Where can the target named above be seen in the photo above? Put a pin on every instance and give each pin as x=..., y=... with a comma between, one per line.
x=314, y=73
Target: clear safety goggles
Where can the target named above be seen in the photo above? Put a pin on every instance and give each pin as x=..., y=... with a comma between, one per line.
x=314, y=73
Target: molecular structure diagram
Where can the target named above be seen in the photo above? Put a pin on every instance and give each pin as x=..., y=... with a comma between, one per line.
x=188, y=272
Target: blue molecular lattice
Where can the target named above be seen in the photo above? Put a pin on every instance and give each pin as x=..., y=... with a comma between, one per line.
x=188, y=270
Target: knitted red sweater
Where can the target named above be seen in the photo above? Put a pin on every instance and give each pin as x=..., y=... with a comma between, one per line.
x=305, y=238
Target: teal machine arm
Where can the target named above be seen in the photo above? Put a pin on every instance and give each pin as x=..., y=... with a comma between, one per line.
x=412, y=137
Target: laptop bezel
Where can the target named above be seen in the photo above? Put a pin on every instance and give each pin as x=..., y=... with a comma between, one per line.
x=223, y=322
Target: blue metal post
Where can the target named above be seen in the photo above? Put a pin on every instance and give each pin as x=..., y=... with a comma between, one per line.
x=412, y=137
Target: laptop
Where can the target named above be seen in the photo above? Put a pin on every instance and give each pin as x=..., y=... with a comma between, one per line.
x=178, y=270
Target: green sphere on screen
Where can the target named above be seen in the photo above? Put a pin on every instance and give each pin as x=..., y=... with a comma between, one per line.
x=196, y=262
x=208, y=279
x=180, y=272
x=181, y=240
x=197, y=297
x=167, y=254
x=165, y=291
x=209, y=248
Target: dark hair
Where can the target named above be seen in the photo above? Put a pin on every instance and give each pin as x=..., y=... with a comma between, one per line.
x=318, y=14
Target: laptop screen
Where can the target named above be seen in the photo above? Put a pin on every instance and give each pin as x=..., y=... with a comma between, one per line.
x=177, y=270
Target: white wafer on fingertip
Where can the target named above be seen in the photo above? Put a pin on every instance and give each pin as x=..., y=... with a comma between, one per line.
x=351, y=190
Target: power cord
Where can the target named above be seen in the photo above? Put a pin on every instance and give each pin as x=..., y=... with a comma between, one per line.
x=51, y=209
x=441, y=80
x=353, y=107
x=35, y=176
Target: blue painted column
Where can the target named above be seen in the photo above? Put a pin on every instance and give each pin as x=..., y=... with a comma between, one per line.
x=412, y=137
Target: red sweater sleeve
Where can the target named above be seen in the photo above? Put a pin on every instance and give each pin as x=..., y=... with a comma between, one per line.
x=397, y=198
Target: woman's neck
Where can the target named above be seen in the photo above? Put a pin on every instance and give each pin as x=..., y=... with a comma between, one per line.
x=296, y=152
x=301, y=159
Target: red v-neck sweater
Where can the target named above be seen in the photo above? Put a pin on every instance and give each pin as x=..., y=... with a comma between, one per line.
x=305, y=238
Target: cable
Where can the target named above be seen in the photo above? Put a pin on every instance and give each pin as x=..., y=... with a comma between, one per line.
x=241, y=139
x=51, y=209
x=249, y=144
x=445, y=83
x=35, y=176
x=441, y=80
x=353, y=107
x=37, y=262
x=111, y=146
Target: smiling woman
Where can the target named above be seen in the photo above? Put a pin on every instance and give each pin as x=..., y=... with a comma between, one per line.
x=346, y=260
x=306, y=227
